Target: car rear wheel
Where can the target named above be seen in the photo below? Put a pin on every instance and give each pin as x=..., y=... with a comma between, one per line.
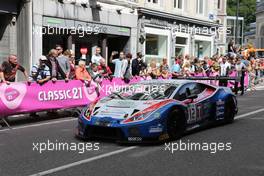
x=229, y=111
x=176, y=124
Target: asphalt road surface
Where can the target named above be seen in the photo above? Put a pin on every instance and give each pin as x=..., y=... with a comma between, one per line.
x=20, y=149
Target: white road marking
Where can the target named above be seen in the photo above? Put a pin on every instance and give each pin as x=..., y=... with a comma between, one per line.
x=257, y=118
x=41, y=124
x=83, y=161
x=60, y=168
x=250, y=113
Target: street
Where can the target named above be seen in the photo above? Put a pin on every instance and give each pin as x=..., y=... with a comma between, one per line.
x=246, y=134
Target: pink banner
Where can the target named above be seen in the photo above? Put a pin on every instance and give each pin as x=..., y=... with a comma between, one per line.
x=20, y=97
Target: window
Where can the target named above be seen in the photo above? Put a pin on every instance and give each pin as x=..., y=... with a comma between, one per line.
x=181, y=43
x=189, y=89
x=152, y=44
x=200, y=7
x=183, y=94
x=219, y=4
x=156, y=47
x=153, y=1
x=181, y=40
x=178, y=4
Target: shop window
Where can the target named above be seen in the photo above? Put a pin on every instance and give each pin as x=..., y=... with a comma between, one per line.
x=152, y=42
x=202, y=49
x=156, y=47
x=181, y=44
x=179, y=51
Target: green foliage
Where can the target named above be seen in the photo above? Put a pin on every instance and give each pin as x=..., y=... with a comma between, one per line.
x=247, y=10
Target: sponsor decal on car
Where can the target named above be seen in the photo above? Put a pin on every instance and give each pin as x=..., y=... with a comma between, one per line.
x=156, y=129
x=134, y=139
x=220, y=109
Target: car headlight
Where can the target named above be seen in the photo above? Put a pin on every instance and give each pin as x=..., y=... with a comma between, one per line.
x=137, y=117
x=88, y=111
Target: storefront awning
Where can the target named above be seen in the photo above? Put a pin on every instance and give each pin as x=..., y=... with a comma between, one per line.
x=88, y=27
x=9, y=7
x=176, y=17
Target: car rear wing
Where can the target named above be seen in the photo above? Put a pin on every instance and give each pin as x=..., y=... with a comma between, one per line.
x=232, y=82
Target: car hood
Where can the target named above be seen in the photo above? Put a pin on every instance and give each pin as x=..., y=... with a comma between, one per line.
x=121, y=109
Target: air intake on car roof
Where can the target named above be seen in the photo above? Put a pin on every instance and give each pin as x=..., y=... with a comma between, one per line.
x=135, y=111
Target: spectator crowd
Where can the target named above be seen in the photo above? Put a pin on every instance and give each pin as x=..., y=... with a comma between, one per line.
x=62, y=65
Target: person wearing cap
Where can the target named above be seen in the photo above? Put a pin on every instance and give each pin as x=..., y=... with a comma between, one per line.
x=9, y=69
x=40, y=72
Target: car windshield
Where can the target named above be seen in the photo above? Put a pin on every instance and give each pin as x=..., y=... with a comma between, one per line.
x=144, y=92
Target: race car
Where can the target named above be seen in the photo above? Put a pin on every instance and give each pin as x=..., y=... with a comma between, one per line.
x=157, y=110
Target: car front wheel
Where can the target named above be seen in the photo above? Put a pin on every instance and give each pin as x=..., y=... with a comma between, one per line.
x=229, y=111
x=176, y=124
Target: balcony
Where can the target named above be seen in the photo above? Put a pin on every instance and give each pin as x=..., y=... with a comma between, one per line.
x=120, y=2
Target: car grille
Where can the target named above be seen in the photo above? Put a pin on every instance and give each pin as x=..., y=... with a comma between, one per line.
x=104, y=132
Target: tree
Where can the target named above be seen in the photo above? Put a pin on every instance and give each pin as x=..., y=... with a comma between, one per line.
x=247, y=10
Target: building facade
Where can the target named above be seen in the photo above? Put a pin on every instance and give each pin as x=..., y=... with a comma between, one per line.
x=260, y=24
x=157, y=28
x=178, y=27
x=88, y=24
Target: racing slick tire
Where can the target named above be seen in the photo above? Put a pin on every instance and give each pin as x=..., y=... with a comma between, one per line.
x=176, y=124
x=229, y=114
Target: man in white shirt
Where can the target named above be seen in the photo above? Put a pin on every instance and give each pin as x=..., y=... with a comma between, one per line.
x=241, y=68
x=97, y=56
x=225, y=67
x=120, y=65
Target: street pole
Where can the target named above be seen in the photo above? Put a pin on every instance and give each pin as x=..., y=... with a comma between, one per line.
x=237, y=23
